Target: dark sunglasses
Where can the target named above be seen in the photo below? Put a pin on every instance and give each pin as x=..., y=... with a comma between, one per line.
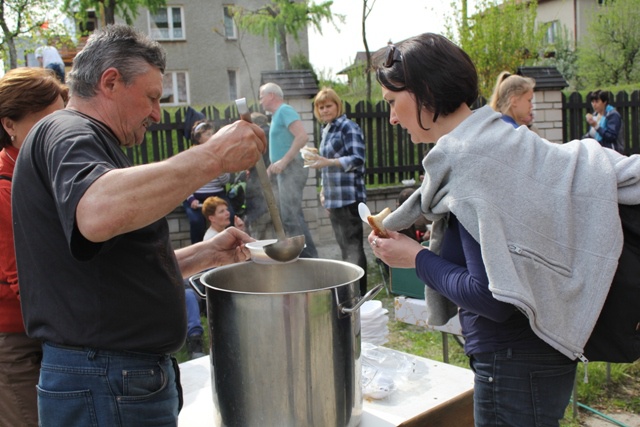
x=393, y=56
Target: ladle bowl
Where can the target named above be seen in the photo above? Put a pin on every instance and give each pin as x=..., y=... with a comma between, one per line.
x=285, y=249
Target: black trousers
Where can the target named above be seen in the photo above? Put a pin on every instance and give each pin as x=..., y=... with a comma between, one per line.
x=347, y=227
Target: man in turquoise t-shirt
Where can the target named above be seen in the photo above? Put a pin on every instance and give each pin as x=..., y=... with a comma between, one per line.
x=286, y=137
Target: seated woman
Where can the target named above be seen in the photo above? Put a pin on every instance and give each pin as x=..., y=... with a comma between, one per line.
x=217, y=211
x=201, y=131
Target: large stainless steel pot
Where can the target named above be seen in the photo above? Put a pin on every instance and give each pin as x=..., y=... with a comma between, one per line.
x=285, y=343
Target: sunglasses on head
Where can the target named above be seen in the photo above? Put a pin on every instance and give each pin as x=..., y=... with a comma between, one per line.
x=393, y=55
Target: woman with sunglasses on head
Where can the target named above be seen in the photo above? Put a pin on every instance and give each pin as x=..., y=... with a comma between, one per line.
x=511, y=247
x=513, y=97
x=26, y=96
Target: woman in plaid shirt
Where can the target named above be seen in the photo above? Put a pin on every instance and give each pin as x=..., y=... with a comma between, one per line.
x=341, y=162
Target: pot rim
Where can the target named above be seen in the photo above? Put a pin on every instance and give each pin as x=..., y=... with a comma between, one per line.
x=214, y=271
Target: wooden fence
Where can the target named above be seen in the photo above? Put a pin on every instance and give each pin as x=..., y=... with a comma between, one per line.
x=391, y=156
x=575, y=125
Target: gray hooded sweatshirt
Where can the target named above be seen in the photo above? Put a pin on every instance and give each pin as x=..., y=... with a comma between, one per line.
x=545, y=216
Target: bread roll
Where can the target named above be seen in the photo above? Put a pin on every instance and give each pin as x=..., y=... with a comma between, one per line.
x=375, y=221
x=309, y=155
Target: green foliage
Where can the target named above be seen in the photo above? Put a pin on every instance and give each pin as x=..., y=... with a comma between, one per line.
x=356, y=89
x=609, y=53
x=497, y=37
x=599, y=387
x=280, y=18
x=301, y=62
x=293, y=17
x=562, y=55
x=24, y=19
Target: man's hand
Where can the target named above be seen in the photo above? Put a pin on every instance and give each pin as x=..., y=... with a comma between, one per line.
x=225, y=248
x=228, y=247
x=238, y=146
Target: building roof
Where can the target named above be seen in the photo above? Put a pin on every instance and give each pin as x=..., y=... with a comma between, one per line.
x=294, y=83
x=361, y=59
x=546, y=77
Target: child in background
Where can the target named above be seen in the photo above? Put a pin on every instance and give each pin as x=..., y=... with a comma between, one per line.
x=419, y=231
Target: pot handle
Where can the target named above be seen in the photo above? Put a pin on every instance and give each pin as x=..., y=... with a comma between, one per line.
x=368, y=296
x=192, y=282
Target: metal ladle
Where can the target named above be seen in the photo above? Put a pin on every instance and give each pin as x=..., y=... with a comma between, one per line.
x=285, y=249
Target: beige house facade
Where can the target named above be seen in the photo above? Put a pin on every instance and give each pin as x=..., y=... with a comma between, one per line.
x=209, y=60
x=574, y=15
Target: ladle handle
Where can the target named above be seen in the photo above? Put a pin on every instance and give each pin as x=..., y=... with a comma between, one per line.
x=264, y=179
x=271, y=199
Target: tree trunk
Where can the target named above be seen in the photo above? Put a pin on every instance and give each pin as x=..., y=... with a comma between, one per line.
x=284, y=54
x=110, y=12
x=366, y=49
x=13, y=55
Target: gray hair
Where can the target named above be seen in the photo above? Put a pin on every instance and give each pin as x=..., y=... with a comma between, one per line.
x=272, y=88
x=115, y=46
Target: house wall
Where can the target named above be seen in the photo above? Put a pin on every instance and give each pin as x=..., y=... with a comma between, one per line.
x=573, y=14
x=206, y=56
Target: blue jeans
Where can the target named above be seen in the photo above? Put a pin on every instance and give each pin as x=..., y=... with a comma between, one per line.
x=89, y=387
x=520, y=388
x=291, y=184
x=194, y=326
x=58, y=69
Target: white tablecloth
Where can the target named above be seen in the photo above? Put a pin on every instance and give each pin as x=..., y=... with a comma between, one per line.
x=432, y=384
x=414, y=311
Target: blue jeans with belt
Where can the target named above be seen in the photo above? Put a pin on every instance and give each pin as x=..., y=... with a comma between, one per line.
x=520, y=388
x=91, y=387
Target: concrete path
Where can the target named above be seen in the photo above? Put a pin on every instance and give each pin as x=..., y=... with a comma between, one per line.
x=620, y=419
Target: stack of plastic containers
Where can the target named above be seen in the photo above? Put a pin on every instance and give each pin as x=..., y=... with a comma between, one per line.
x=374, y=322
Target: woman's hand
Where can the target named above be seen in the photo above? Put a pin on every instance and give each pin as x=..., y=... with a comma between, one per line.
x=322, y=162
x=277, y=167
x=397, y=251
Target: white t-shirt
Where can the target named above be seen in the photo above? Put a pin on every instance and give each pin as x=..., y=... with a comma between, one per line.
x=49, y=55
x=210, y=234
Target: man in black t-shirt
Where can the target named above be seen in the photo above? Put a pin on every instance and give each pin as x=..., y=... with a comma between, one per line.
x=101, y=285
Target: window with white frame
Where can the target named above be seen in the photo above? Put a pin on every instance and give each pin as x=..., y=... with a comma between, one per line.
x=230, y=30
x=233, y=84
x=552, y=32
x=175, y=88
x=167, y=23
